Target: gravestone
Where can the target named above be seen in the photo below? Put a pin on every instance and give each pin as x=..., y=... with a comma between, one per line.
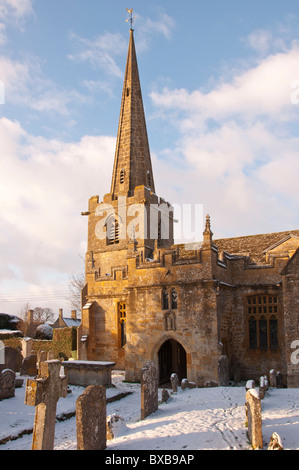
x=149, y=389
x=29, y=366
x=12, y=359
x=266, y=383
x=7, y=384
x=254, y=419
x=42, y=356
x=26, y=346
x=44, y=393
x=272, y=378
x=223, y=371
x=174, y=382
x=91, y=418
x=184, y=384
x=192, y=385
x=116, y=426
x=279, y=380
x=275, y=442
x=165, y=395
x=262, y=388
x=249, y=384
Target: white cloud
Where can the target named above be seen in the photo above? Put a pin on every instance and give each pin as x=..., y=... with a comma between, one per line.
x=100, y=52
x=238, y=154
x=26, y=85
x=261, y=90
x=44, y=186
x=13, y=12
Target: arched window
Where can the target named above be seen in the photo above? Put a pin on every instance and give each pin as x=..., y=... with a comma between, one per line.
x=174, y=299
x=122, y=318
x=263, y=321
x=165, y=302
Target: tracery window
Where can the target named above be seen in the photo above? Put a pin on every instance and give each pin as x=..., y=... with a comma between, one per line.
x=165, y=302
x=174, y=299
x=263, y=321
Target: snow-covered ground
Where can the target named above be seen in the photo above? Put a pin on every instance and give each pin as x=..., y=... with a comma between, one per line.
x=193, y=419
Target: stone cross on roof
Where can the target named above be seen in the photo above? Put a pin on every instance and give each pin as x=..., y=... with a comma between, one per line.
x=44, y=393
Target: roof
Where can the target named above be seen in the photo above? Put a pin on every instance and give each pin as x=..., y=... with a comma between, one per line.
x=71, y=322
x=254, y=246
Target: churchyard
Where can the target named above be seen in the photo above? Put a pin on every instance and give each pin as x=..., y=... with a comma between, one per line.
x=45, y=412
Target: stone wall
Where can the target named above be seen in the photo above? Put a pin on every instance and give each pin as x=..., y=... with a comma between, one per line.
x=62, y=342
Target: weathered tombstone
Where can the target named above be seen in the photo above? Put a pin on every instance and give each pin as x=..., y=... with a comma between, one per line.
x=275, y=442
x=26, y=347
x=12, y=359
x=149, y=389
x=165, y=395
x=192, y=385
x=184, y=384
x=29, y=366
x=44, y=393
x=91, y=418
x=254, y=419
x=266, y=383
x=262, y=388
x=7, y=384
x=272, y=378
x=42, y=356
x=50, y=355
x=279, y=380
x=174, y=382
x=249, y=384
x=116, y=426
x=223, y=371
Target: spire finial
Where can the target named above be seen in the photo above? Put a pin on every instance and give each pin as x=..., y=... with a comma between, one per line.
x=131, y=19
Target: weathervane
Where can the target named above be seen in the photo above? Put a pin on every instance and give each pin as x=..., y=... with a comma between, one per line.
x=132, y=18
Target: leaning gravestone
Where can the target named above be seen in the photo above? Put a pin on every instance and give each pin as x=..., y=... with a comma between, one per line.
x=91, y=418
x=254, y=419
x=7, y=384
x=149, y=389
x=44, y=393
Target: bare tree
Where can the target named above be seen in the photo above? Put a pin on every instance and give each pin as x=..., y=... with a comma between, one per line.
x=75, y=286
x=42, y=315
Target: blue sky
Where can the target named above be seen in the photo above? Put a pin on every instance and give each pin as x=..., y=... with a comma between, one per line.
x=219, y=83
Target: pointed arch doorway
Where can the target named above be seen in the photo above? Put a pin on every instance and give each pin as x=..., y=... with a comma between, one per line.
x=172, y=359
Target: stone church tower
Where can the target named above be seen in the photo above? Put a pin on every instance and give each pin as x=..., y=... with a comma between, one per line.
x=191, y=310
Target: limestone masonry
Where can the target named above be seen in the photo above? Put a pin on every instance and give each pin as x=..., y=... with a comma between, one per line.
x=182, y=308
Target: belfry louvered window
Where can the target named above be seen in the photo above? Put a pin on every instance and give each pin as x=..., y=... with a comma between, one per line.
x=112, y=232
x=122, y=318
x=122, y=176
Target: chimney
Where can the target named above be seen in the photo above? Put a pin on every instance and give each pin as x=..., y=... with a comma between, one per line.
x=60, y=316
x=30, y=317
x=74, y=315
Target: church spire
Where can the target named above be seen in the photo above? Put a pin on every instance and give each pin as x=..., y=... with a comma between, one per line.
x=132, y=162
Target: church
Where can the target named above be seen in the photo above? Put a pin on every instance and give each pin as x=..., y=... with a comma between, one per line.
x=183, y=307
